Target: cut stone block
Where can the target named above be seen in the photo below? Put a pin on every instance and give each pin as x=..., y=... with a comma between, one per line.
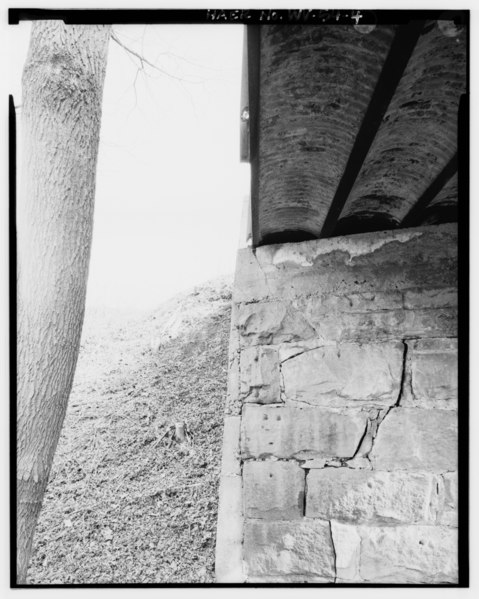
x=347, y=545
x=416, y=439
x=250, y=282
x=345, y=373
x=273, y=490
x=381, y=325
x=375, y=497
x=230, y=462
x=430, y=298
x=272, y=322
x=303, y=433
x=233, y=400
x=289, y=548
x=233, y=403
x=409, y=554
x=448, y=488
x=260, y=375
x=229, y=535
x=395, y=554
x=293, y=578
x=434, y=372
x=369, y=301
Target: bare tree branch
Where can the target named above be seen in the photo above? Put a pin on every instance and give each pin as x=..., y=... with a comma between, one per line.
x=144, y=60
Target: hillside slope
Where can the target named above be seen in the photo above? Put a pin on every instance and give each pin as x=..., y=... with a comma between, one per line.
x=127, y=502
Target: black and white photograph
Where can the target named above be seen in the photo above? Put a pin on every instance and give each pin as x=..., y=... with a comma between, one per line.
x=238, y=297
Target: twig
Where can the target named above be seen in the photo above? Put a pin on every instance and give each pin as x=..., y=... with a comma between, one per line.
x=143, y=60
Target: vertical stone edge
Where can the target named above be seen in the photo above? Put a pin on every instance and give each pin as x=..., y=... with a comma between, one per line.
x=233, y=402
x=229, y=535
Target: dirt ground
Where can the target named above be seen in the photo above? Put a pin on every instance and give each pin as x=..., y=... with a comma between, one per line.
x=128, y=502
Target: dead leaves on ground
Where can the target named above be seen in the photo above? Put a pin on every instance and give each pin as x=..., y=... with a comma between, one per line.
x=134, y=488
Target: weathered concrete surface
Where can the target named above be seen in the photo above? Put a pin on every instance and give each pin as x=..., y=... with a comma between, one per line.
x=273, y=490
x=345, y=374
x=316, y=84
x=260, y=381
x=385, y=261
x=295, y=548
x=286, y=432
x=362, y=496
x=395, y=554
x=416, y=439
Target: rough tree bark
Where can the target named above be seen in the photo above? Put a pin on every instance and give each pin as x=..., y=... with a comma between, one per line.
x=60, y=125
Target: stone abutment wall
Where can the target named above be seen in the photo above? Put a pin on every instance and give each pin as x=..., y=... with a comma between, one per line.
x=340, y=447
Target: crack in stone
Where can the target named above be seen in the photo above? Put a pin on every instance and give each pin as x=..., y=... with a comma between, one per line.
x=437, y=499
x=375, y=423
x=282, y=394
x=338, y=408
x=304, y=350
x=403, y=376
x=334, y=552
x=375, y=428
x=306, y=472
x=270, y=457
x=367, y=429
x=329, y=462
x=266, y=282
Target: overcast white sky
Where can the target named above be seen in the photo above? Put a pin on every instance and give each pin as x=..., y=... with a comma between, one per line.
x=170, y=187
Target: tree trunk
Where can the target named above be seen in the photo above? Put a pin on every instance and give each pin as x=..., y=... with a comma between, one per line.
x=60, y=126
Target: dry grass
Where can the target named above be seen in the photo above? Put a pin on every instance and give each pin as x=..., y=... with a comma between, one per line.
x=126, y=502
